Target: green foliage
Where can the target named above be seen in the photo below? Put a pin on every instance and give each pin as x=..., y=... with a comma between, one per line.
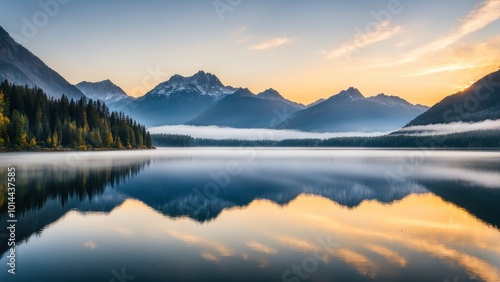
x=28, y=115
x=173, y=140
x=4, y=121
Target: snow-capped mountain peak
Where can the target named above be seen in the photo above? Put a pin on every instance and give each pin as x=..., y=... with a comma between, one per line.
x=202, y=83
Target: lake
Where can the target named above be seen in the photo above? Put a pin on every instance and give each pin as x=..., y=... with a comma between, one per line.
x=247, y=214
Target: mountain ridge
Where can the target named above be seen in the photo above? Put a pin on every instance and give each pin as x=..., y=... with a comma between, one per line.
x=479, y=102
x=104, y=90
x=350, y=111
x=243, y=109
x=19, y=66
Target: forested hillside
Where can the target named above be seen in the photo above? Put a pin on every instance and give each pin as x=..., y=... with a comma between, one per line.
x=30, y=120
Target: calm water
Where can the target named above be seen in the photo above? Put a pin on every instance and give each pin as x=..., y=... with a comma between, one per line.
x=254, y=215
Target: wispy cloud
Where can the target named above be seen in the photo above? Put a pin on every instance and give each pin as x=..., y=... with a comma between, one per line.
x=214, y=246
x=484, y=14
x=261, y=248
x=390, y=255
x=244, y=39
x=90, y=245
x=270, y=44
x=242, y=29
x=463, y=56
x=443, y=68
x=362, y=40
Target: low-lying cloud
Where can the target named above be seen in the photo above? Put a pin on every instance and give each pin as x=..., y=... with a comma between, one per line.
x=456, y=127
x=219, y=133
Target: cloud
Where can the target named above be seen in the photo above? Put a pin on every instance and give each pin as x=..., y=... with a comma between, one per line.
x=218, y=133
x=390, y=255
x=297, y=244
x=270, y=44
x=261, y=248
x=455, y=127
x=244, y=39
x=90, y=245
x=443, y=68
x=483, y=15
x=358, y=261
x=361, y=40
x=214, y=246
x=463, y=56
x=242, y=29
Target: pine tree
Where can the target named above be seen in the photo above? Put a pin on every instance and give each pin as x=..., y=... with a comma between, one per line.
x=18, y=130
x=118, y=143
x=26, y=112
x=108, y=140
x=4, y=122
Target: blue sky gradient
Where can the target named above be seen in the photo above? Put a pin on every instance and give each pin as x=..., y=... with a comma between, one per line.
x=305, y=49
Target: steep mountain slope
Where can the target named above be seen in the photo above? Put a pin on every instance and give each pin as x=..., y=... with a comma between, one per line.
x=179, y=100
x=21, y=67
x=479, y=102
x=243, y=109
x=350, y=111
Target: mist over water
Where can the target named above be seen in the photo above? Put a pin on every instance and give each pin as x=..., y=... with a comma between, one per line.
x=219, y=133
x=455, y=127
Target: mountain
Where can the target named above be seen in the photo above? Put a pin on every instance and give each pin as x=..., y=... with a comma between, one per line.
x=243, y=109
x=315, y=103
x=271, y=94
x=479, y=102
x=104, y=90
x=350, y=111
x=179, y=100
x=395, y=101
x=21, y=67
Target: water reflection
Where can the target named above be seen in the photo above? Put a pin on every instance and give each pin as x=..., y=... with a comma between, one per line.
x=46, y=192
x=263, y=212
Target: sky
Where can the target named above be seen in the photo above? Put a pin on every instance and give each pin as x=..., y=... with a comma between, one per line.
x=421, y=51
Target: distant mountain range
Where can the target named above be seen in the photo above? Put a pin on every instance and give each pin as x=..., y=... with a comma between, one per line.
x=350, y=111
x=21, y=67
x=243, y=109
x=179, y=100
x=202, y=99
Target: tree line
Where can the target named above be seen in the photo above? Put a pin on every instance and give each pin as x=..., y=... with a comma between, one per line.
x=475, y=139
x=30, y=120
